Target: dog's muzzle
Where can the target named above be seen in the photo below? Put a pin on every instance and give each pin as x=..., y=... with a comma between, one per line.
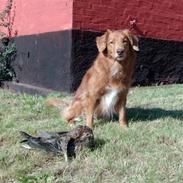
x=120, y=55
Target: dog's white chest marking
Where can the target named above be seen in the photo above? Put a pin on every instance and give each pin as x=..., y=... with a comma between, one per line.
x=109, y=101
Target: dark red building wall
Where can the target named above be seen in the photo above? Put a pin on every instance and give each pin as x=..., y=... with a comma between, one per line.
x=161, y=19
x=156, y=18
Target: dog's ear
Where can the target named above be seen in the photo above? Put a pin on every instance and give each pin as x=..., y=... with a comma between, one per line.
x=133, y=39
x=102, y=41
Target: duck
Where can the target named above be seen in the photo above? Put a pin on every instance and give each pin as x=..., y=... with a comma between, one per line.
x=66, y=143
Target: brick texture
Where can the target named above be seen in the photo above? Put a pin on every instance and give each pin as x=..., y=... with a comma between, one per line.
x=156, y=19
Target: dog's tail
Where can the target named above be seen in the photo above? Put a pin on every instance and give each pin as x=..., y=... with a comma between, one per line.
x=56, y=102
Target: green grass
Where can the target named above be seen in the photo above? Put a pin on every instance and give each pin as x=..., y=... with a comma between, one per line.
x=150, y=150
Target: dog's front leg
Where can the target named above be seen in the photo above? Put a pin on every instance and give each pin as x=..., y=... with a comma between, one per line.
x=90, y=112
x=121, y=109
x=122, y=116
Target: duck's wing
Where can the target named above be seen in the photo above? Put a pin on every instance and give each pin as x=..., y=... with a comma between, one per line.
x=47, y=144
x=49, y=135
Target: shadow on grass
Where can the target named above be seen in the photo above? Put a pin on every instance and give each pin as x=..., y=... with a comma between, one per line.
x=141, y=114
x=99, y=143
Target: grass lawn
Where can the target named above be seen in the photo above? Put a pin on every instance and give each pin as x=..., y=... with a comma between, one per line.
x=149, y=150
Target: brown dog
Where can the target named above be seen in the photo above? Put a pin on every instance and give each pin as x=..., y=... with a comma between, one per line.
x=105, y=85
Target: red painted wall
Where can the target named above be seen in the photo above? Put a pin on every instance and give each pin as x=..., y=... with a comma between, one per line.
x=156, y=18
x=39, y=16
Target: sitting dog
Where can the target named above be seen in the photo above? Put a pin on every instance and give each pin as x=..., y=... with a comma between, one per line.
x=104, y=87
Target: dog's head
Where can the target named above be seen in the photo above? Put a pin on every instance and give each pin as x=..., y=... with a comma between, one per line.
x=117, y=44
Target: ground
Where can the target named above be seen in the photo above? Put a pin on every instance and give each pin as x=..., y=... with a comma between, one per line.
x=149, y=150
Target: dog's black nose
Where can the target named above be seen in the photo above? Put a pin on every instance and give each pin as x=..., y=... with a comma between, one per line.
x=119, y=51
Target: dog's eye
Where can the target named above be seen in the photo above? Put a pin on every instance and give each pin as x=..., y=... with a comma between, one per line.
x=110, y=42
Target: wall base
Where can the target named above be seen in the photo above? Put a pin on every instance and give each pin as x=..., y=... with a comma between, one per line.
x=57, y=61
x=25, y=88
